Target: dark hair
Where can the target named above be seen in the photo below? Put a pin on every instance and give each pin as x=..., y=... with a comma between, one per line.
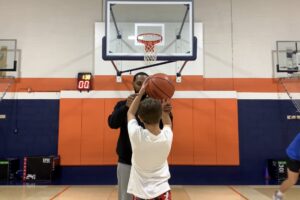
x=139, y=74
x=150, y=110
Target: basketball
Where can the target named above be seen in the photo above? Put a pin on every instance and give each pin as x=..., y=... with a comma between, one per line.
x=160, y=87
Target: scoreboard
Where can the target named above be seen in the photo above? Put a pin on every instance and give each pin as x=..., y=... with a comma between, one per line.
x=84, y=81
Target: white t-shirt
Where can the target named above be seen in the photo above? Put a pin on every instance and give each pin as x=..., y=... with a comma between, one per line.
x=150, y=170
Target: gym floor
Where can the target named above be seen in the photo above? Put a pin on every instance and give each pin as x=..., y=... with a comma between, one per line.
x=49, y=192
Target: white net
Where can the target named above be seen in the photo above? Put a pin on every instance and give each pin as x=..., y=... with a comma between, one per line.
x=149, y=40
x=150, y=54
x=5, y=84
x=291, y=86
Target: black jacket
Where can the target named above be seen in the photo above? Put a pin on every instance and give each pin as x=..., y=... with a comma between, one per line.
x=118, y=119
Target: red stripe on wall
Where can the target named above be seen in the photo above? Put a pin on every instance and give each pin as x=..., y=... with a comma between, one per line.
x=188, y=83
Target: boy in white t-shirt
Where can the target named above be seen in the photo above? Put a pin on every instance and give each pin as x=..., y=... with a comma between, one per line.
x=151, y=146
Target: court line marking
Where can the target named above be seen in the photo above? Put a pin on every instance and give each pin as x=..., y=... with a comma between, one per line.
x=111, y=193
x=237, y=192
x=59, y=193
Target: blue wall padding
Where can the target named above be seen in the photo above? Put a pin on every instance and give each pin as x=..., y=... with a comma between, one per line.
x=31, y=129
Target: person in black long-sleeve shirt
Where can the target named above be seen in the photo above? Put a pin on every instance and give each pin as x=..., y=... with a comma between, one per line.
x=118, y=119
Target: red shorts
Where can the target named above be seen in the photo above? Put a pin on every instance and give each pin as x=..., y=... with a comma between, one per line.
x=164, y=196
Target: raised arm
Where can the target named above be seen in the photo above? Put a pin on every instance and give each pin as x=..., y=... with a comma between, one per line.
x=135, y=104
x=166, y=108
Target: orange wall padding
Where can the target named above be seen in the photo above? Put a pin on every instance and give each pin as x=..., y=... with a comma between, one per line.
x=205, y=132
x=70, y=131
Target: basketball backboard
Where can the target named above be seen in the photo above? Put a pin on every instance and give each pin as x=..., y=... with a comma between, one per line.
x=126, y=20
x=8, y=65
x=287, y=61
x=8, y=54
x=288, y=56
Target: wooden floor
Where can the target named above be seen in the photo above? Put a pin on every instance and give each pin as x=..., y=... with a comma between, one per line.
x=33, y=192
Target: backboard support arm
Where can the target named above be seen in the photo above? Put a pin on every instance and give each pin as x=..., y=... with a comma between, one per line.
x=148, y=66
x=119, y=36
x=178, y=74
x=118, y=77
x=178, y=36
x=119, y=73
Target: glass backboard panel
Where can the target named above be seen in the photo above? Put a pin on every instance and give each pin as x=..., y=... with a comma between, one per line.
x=125, y=20
x=8, y=54
x=288, y=56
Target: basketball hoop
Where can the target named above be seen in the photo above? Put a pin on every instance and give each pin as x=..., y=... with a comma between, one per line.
x=149, y=40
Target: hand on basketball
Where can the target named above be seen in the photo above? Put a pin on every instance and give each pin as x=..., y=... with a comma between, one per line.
x=130, y=99
x=166, y=105
x=143, y=88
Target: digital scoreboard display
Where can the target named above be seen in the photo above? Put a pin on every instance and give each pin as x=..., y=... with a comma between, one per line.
x=84, y=81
